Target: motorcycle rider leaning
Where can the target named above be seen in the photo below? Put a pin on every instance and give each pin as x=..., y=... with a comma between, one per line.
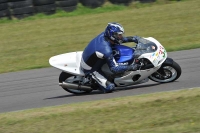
x=99, y=52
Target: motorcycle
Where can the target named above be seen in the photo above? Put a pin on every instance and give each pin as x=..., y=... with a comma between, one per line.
x=149, y=53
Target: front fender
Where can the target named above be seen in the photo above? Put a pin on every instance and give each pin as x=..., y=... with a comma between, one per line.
x=168, y=61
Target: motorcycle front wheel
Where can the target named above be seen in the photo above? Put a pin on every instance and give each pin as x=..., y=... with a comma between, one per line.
x=66, y=77
x=168, y=72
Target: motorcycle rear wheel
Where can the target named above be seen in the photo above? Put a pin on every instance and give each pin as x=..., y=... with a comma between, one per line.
x=66, y=77
x=171, y=73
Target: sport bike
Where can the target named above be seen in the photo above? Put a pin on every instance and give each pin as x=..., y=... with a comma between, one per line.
x=149, y=53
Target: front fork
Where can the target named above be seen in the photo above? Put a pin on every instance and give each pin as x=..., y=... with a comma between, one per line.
x=161, y=71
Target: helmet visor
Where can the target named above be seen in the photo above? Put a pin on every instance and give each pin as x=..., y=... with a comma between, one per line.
x=119, y=37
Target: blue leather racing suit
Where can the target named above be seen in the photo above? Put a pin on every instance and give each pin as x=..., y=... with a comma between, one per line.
x=99, y=52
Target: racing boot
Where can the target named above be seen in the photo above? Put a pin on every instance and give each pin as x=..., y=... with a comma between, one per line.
x=103, y=83
x=109, y=88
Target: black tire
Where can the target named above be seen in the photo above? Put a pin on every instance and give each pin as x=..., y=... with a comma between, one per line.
x=68, y=9
x=47, y=9
x=173, y=69
x=24, y=10
x=5, y=13
x=92, y=3
x=43, y=2
x=20, y=4
x=3, y=1
x=21, y=16
x=147, y=1
x=15, y=0
x=49, y=12
x=3, y=6
x=66, y=3
x=124, y=2
x=63, y=77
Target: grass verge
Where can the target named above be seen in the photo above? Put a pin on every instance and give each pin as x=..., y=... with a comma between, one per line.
x=82, y=10
x=28, y=44
x=167, y=112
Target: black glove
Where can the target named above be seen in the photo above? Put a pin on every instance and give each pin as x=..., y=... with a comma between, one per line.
x=134, y=67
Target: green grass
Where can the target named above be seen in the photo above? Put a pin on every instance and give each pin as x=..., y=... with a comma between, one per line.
x=82, y=10
x=167, y=112
x=29, y=43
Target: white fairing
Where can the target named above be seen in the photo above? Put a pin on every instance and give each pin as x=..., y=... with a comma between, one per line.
x=69, y=62
x=156, y=58
x=126, y=80
x=159, y=56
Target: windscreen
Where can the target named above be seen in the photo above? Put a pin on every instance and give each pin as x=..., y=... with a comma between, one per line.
x=144, y=46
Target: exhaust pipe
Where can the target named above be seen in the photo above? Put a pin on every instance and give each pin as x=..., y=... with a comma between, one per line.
x=87, y=88
x=75, y=86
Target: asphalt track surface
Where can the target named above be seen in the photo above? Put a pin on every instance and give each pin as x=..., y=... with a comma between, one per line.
x=39, y=88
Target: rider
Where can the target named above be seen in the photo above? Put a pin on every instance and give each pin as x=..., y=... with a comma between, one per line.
x=99, y=51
